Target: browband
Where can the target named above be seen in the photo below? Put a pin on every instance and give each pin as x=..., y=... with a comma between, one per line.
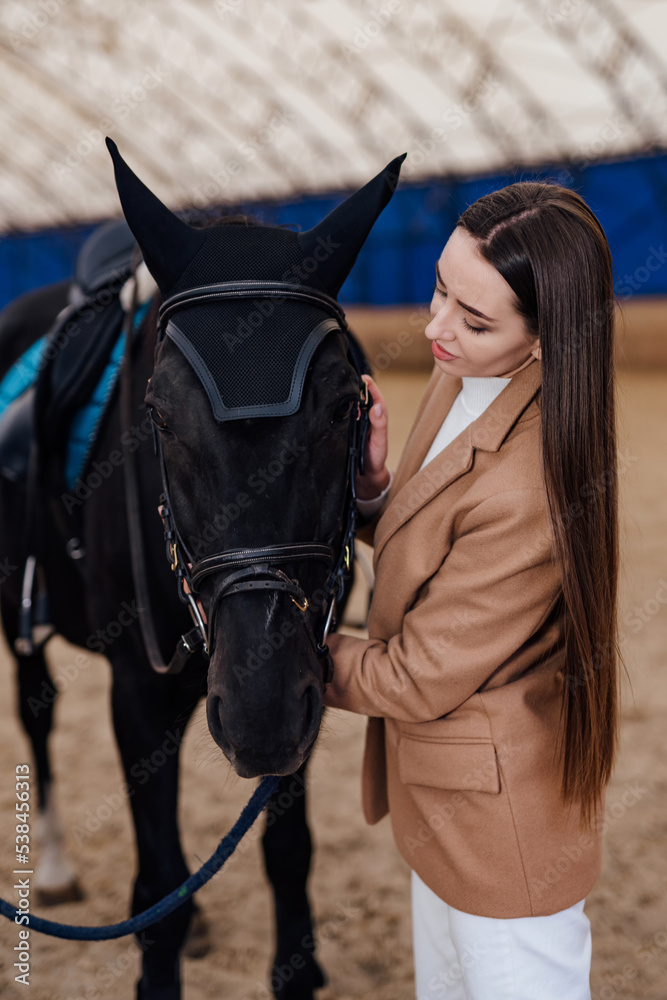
x=250, y=289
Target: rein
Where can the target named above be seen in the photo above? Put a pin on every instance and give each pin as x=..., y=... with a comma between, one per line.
x=133, y=925
x=247, y=569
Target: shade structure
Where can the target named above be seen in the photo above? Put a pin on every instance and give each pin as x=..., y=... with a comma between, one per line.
x=243, y=100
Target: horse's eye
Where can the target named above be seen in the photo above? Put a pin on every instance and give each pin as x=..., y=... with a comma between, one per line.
x=343, y=409
x=157, y=418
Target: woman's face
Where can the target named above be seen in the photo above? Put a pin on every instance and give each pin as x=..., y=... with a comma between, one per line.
x=475, y=327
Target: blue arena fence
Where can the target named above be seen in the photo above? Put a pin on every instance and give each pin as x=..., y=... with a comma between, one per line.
x=396, y=265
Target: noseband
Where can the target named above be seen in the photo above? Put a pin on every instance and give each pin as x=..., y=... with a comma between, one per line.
x=248, y=569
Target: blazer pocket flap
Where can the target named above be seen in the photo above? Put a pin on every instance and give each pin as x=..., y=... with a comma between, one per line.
x=465, y=766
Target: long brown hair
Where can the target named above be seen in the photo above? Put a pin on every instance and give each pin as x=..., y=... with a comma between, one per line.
x=552, y=251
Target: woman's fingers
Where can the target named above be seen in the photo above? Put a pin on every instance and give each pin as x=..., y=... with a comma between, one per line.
x=376, y=396
x=376, y=442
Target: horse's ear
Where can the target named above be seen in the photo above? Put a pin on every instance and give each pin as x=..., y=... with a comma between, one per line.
x=336, y=241
x=167, y=243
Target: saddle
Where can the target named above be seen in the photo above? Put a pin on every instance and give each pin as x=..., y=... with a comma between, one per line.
x=51, y=382
x=67, y=374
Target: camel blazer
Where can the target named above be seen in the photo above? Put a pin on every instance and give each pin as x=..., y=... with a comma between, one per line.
x=462, y=672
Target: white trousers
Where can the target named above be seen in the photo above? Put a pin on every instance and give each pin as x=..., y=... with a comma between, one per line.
x=459, y=956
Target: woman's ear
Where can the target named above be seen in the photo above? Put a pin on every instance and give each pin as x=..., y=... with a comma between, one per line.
x=537, y=351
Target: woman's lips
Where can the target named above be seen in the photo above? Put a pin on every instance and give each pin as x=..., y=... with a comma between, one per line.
x=440, y=354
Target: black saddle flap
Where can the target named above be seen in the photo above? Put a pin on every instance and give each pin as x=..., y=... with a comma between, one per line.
x=83, y=337
x=81, y=344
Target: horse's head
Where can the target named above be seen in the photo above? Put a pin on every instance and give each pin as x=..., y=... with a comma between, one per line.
x=256, y=395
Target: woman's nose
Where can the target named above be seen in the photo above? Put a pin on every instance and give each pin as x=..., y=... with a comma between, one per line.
x=439, y=328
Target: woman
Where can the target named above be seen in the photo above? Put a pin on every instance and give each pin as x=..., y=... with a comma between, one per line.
x=490, y=671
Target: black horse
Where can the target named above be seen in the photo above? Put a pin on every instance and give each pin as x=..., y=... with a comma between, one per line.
x=249, y=376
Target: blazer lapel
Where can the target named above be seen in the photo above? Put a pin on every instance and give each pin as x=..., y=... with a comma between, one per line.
x=426, y=426
x=413, y=486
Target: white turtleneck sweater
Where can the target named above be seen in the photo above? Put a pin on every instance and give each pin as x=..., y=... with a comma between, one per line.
x=473, y=398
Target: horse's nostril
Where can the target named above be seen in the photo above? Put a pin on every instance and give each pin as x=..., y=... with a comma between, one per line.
x=214, y=718
x=312, y=715
x=215, y=706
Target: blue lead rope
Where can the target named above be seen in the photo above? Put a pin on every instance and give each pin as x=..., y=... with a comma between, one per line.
x=224, y=850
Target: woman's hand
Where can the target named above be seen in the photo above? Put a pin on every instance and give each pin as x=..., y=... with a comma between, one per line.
x=376, y=477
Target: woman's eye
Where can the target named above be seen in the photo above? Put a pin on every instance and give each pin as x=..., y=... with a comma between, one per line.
x=468, y=326
x=475, y=329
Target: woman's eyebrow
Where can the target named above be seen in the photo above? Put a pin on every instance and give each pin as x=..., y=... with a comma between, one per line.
x=469, y=309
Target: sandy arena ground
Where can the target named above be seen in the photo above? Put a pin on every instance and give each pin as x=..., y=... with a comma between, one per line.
x=359, y=883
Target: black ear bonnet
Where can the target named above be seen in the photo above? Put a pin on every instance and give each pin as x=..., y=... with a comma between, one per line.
x=249, y=305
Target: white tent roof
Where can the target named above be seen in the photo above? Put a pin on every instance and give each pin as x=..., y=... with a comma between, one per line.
x=249, y=99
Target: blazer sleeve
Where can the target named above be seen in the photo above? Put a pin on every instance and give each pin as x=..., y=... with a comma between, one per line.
x=368, y=519
x=488, y=598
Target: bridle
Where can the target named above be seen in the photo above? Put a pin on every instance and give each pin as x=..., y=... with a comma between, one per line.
x=245, y=569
